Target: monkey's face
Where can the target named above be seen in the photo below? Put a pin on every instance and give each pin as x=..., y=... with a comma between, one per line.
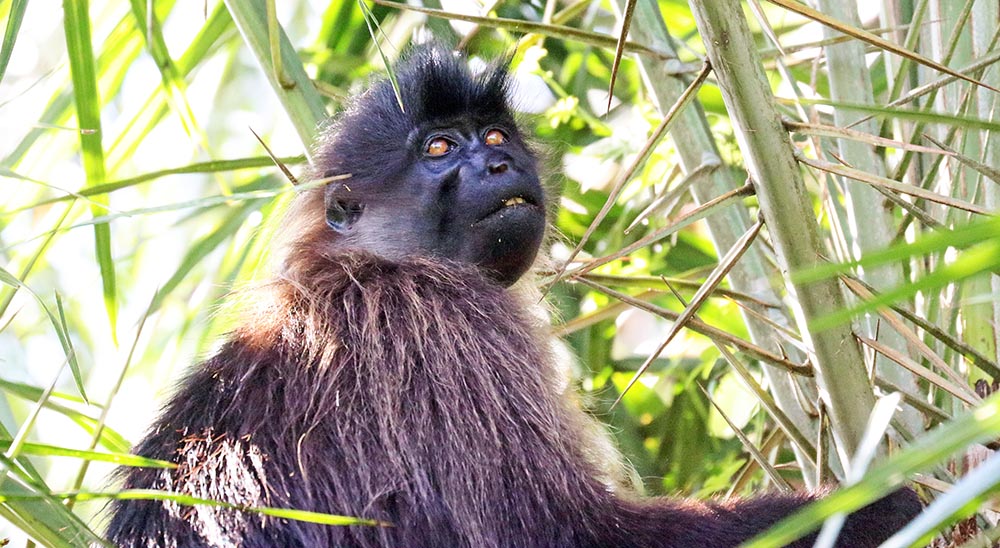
x=468, y=192
x=447, y=176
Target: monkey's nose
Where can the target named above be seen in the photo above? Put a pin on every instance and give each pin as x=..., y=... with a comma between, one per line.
x=497, y=168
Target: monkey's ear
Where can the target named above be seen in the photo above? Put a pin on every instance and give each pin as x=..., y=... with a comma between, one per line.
x=341, y=215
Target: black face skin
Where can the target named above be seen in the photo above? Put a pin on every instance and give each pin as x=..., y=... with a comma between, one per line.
x=450, y=176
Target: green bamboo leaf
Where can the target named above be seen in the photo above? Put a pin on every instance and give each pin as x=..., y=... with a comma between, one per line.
x=188, y=500
x=981, y=258
x=200, y=249
x=620, y=47
x=213, y=166
x=45, y=518
x=58, y=323
x=14, y=18
x=88, y=112
x=981, y=424
x=198, y=203
x=172, y=80
x=520, y=25
x=69, y=194
x=928, y=117
x=19, y=466
x=373, y=26
x=28, y=424
x=33, y=260
x=874, y=40
x=74, y=364
x=33, y=393
x=973, y=487
x=122, y=459
x=301, y=101
x=155, y=108
x=110, y=439
x=933, y=242
x=316, y=517
x=339, y=21
x=254, y=193
x=120, y=49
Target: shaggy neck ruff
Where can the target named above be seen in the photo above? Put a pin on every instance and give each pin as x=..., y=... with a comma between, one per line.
x=436, y=372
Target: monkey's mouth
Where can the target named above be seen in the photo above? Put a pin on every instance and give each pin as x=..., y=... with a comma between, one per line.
x=510, y=205
x=516, y=200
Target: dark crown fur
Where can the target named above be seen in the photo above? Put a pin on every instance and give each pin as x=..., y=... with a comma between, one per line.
x=436, y=86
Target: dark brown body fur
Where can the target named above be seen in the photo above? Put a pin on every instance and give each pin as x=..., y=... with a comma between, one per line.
x=416, y=393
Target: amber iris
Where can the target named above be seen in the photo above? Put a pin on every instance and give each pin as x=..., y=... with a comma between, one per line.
x=495, y=137
x=438, y=147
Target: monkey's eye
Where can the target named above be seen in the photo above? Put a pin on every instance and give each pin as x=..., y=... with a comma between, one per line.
x=494, y=137
x=438, y=146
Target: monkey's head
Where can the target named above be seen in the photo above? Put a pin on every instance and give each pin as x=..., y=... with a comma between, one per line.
x=449, y=175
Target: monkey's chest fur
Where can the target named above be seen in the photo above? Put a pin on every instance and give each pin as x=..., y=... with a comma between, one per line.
x=414, y=394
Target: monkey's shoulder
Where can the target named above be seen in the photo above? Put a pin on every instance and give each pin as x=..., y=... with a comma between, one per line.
x=221, y=430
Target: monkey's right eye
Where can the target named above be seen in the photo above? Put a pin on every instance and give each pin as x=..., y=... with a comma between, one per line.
x=438, y=146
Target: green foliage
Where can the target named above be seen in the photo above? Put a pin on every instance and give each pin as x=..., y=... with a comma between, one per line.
x=132, y=126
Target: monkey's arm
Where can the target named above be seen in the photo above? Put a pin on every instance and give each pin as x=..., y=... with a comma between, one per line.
x=869, y=526
x=726, y=524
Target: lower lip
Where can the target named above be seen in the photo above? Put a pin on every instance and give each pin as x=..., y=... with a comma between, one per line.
x=515, y=209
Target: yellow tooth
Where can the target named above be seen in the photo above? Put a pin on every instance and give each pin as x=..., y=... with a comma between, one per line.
x=516, y=200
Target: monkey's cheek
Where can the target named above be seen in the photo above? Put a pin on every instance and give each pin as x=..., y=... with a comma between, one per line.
x=505, y=244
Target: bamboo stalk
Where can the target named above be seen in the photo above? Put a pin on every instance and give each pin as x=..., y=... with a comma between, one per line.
x=870, y=226
x=787, y=209
x=984, y=17
x=752, y=273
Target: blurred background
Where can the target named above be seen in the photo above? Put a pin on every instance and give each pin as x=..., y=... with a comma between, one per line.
x=134, y=195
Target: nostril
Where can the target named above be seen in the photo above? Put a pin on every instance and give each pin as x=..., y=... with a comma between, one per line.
x=497, y=168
